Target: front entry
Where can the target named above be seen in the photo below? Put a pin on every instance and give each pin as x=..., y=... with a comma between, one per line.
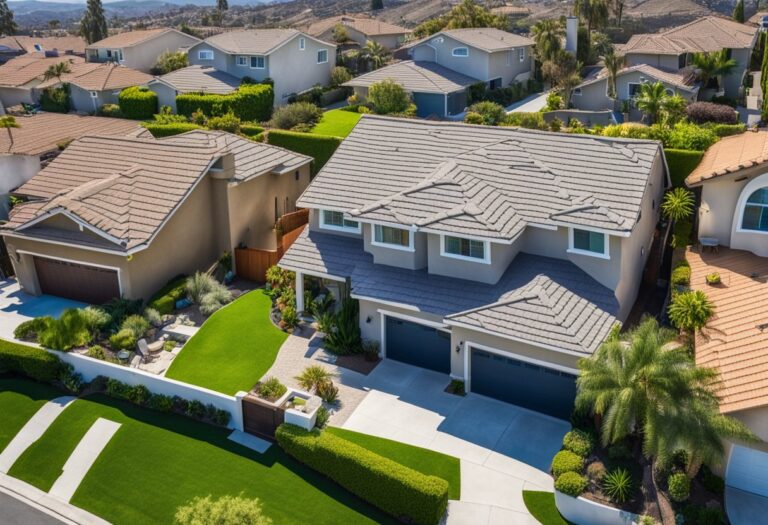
x=523, y=384
x=418, y=344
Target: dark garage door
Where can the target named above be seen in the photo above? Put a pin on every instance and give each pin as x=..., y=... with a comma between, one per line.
x=76, y=281
x=523, y=384
x=418, y=345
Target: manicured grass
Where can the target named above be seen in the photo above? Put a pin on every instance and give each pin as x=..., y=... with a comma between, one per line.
x=19, y=400
x=542, y=506
x=421, y=459
x=157, y=462
x=337, y=123
x=234, y=348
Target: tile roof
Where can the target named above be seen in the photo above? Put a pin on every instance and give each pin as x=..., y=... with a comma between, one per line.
x=735, y=340
x=253, y=41
x=682, y=78
x=483, y=181
x=707, y=34
x=419, y=77
x=95, y=76
x=366, y=26
x=540, y=300
x=201, y=79
x=21, y=43
x=729, y=155
x=41, y=133
x=131, y=38
x=486, y=38
x=24, y=69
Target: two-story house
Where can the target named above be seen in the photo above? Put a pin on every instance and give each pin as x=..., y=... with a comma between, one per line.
x=360, y=30
x=139, y=49
x=499, y=256
x=441, y=67
x=294, y=61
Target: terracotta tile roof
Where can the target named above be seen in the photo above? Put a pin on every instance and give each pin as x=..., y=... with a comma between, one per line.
x=22, y=70
x=735, y=340
x=729, y=155
x=683, y=78
x=40, y=133
x=130, y=38
x=366, y=26
x=62, y=44
x=707, y=34
x=94, y=76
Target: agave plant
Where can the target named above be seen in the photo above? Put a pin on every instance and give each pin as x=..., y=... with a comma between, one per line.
x=617, y=484
x=678, y=204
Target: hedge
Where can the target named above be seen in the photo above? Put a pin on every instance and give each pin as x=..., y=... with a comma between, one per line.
x=164, y=301
x=137, y=103
x=167, y=130
x=56, y=100
x=319, y=147
x=251, y=130
x=251, y=102
x=681, y=163
x=29, y=361
x=398, y=490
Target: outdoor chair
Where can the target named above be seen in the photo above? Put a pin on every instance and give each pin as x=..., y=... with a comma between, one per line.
x=146, y=349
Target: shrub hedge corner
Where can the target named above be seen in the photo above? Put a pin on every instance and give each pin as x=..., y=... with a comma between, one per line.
x=34, y=363
x=168, y=130
x=137, y=103
x=249, y=103
x=394, y=488
x=164, y=301
x=319, y=147
x=681, y=163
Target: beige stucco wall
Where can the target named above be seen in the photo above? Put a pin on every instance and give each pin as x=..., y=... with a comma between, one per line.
x=144, y=55
x=415, y=259
x=295, y=70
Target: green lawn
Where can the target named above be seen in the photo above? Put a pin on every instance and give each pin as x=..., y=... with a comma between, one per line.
x=542, y=506
x=234, y=348
x=421, y=459
x=19, y=400
x=157, y=462
x=337, y=123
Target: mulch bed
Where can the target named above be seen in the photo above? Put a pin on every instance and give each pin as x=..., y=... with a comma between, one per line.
x=357, y=363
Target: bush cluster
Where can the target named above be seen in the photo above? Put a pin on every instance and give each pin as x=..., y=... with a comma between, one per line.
x=304, y=114
x=30, y=362
x=319, y=147
x=701, y=112
x=571, y=483
x=578, y=442
x=55, y=99
x=681, y=163
x=110, y=110
x=137, y=102
x=681, y=274
x=164, y=300
x=251, y=102
x=251, y=130
x=678, y=486
x=390, y=486
x=566, y=461
x=168, y=130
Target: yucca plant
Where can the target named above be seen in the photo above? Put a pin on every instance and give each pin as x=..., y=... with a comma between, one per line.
x=617, y=485
x=678, y=204
x=690, y=311
x=312, y=376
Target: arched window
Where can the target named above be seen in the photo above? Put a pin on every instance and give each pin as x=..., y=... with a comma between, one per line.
x=755, y=215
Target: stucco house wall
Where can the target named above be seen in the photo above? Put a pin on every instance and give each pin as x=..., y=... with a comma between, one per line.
x=671, y=62
x=475, y=64
x=508, y=66
x=501, y=256
x=166, y=95
x=415, y=259
x=594, y=97
x=15, y=170
x=13, y=96
x=143, y=56
x=225, y=62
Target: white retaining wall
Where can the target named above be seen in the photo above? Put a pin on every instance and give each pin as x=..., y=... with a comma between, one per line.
x=581, y=511
x=90, y=368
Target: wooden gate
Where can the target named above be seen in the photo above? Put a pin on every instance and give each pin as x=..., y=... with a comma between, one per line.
x=260, y=418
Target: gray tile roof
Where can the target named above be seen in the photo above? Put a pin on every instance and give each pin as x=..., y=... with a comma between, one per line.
x=418, y=77
x=682, y=78
x=540, y=300
x=483, y=181
x=201, y=79
x=485, y=38
x=254, y=41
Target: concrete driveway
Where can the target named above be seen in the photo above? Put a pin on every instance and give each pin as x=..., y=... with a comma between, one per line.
x=503, y=449
x=17, y=306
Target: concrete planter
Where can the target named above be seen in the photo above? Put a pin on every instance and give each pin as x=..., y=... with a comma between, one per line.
x=306, y=417
x=582, y=511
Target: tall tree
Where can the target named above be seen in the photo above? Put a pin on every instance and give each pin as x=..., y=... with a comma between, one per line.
x=594, y=13
x=547, y=37
x=377, y=4
x=712, y=66
x=93, y=26
x=221, y=6
x=373, y=54
x=650, y=100
x=618, y=10
x=738, y=12
x=7, y=24
x=613, y=64
x=54, y=24
x=563, y=72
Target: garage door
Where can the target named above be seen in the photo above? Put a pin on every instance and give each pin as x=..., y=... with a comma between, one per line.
x=429, y=104
x=76, y=281
x=419, y=345
x=748, y=470
x=524, y=384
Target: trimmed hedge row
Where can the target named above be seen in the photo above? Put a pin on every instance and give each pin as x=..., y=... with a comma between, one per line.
x=29, y=361
x=164, y=301
x=167, y=130
x=251, y=102
x=681, y=163
x=398, y=490
x=319, y=147
x=137, y=103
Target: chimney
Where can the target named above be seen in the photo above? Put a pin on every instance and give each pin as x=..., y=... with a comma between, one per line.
x=571, y=34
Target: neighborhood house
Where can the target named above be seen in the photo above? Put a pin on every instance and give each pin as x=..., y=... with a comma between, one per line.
x=360, y=30
x=139, y=49
x=192, y=79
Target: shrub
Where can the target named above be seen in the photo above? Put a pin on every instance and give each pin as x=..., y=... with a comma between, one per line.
x=226, y=510
x=690, y=311
x=339, y=75
x=138, y=103
x=387, y=97
x=164, y=301
x=327, y=391
x=679, y=486
x=68, y=331
x=251, y=102
x=322, y=417
x=344, y=335
x=713, y=278
x=110, y=110
x=492, y=113
x=681, y=163
x=681, y=235
x=97, y=352
x=710, y=516
x=55, y=100
x=701, y=112
x=596, y=471
x=195, y=409
x=292, y=115
x=137, y=325
x=95, y=318
x=28, y=361
x=123, y=340
x=711, y=481
x=229, y=123
x=685, y=135
x=571, y=483
x=139, y=395
x=566, y=461
x=578, y=442
x=153, y=317
x=390, y=486
x=71, y=380
x=161, y=403
x=250, y=130
x=681, y=276
x=617, y=484
x=200, y=284
x=170, y=61
x=726, y=130
x=272, y=389
x=30, y=330
x=215, y=299
x=473, y=118
x=526, y=120
x=319, y=147
x=289, y=317
x=168, y=130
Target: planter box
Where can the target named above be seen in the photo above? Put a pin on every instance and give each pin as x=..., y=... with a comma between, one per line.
x=307, y=417
x=582, y=511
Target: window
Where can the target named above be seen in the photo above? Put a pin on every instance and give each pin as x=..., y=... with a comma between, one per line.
x=205, y=54
x=257, y=62
x=587, y=242
x=109, y=53
x=633, y=88
x=577, y=92
x=38, y=47
x=302, y=43
x=460, y=52
x=392, y=237
x=94, y=94
x=241, y=61
x=509, y=56
x=463, y=248
x=334, y=220
x=494, y=84
x=521, y=54
x=322, y=56
x=755, y=215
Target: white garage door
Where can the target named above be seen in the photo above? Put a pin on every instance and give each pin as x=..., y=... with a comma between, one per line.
x=748, y=470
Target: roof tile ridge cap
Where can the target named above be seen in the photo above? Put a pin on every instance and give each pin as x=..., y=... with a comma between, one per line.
x=411, y=65
x=518, y=295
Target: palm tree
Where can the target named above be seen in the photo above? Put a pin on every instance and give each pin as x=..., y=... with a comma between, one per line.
x=374, y=54
x=712, y=66
x=678, y=204
x=594, y=13
x=56, y=71
x=547, y=35
x=7, y=122
x=690, y=311
x=613, y=64
x=650, y=100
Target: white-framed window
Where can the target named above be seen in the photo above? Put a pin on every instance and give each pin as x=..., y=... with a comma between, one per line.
x=205, y=54
x=632, y=89
x=510, y=54
x=391, y=237
x=38, y=47
x=521, y=54
x=94, y=94
x=258, y=63
x=577, y=91
x=334, y=220
x=322, y=56
x=460, y=51
x=588, y=242
x=755, y=214
x=302, y=43
x=241, y=61
x=465, y=249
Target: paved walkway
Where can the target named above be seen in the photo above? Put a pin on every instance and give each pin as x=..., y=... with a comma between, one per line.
x=530, y=104
x=82, y=458
x=32, y=431
x=17, y=306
